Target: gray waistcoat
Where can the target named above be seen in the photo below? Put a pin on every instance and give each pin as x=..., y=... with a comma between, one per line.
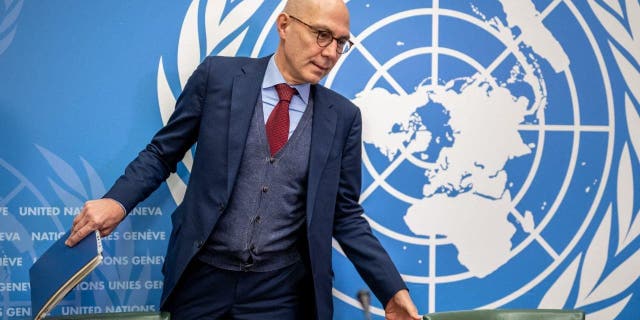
x=259, y=229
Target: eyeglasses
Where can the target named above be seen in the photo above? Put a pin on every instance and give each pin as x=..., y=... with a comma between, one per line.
x=325, y=38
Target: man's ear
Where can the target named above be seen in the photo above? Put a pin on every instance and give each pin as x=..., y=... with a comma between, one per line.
x=282, y=23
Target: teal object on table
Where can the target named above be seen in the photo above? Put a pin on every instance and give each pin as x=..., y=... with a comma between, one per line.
x=519, y=314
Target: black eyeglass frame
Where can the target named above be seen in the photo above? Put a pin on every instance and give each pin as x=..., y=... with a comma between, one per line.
x=340, y=48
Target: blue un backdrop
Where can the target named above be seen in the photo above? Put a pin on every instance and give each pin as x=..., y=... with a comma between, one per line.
x=500, y=143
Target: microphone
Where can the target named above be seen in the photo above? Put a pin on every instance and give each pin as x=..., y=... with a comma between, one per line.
x=365, y=301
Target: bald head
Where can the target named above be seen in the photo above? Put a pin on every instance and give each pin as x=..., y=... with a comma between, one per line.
x=300, y=57
x=314, y=7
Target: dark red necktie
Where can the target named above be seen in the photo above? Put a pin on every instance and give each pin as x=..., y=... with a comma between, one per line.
x=278, y=123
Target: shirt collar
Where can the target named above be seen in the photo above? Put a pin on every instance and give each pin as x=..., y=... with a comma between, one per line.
x=273, y=76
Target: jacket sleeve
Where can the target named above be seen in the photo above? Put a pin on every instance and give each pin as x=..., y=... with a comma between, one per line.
x=153, y=165
x=351, y=229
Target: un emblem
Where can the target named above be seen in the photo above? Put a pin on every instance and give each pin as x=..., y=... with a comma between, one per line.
x=482, y=166
x=488, y=142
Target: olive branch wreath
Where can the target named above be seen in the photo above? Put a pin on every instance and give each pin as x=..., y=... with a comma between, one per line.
x=594, y=286
x=8, y=24
x=218, y=29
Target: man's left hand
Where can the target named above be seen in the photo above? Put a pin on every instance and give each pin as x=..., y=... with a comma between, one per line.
x=400, y=307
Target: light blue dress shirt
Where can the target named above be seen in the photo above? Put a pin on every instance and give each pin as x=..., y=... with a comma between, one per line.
x=298, y=104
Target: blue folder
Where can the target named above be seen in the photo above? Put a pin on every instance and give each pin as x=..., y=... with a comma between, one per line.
x=60, y=269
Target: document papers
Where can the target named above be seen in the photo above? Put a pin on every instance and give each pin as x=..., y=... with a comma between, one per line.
x=60, y=269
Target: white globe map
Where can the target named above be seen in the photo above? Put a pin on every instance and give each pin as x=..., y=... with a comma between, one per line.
x=466, y=180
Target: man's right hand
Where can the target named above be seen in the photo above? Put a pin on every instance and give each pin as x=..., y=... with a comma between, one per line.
x=103, y=215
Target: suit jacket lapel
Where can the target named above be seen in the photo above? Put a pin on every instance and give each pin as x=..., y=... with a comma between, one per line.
x=323, y=129
x=244, y=96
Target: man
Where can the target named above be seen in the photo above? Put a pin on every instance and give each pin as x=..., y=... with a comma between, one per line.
x=276, y=174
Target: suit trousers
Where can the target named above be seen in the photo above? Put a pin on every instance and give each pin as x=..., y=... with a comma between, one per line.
x=207, y=292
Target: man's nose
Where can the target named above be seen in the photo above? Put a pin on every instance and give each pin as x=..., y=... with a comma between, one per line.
x=331, y=51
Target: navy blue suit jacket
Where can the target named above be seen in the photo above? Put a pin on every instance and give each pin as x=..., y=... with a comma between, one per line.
x=215, y=110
